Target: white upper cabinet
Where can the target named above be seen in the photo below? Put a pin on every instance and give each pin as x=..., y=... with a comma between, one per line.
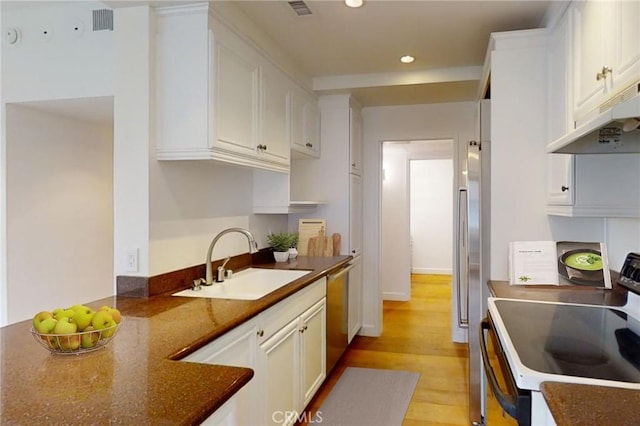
x=275, y=132
x=305, y=124
x=355, y=140
x=219, y=97
x=605, y=52
x=236, y=90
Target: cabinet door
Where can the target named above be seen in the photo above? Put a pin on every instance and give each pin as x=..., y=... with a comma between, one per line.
x=236, y=348
x=236, y=95
x=355, y=140
x=275, y=145
x=560, y=179
x=296, y=121
x=311, y=126
x=590, y=40
x=355, y=215
x=305, y=124
x=626, y=47
x=313, y=351
x=280, y=364
x=355, y=299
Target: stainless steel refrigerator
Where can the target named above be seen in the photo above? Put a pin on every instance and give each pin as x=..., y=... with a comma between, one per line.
x=472, y=256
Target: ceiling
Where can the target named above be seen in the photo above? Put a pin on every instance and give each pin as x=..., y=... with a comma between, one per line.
x=358, y=50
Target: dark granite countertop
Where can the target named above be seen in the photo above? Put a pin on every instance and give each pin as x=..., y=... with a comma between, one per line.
x=579, y=404
x=136, y=378
x=582, y=405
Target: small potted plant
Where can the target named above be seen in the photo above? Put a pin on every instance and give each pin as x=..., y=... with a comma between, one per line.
x=280, y=242
x=293, y=244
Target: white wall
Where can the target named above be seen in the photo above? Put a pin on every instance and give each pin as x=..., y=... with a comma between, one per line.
x=518, y=144
x=59, y=211
x=431, y=216
x=61, y=64
x=64, y=62
x=412, y=122
x=395, y=257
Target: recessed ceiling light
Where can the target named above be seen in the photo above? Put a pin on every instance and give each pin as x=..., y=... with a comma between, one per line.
x=354, y=3
x=407, y=59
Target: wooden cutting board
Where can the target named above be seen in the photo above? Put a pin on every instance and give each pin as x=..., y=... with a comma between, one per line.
x=322, y=245
x=307, y=229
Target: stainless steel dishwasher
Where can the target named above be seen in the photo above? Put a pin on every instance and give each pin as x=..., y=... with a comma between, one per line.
x=337, y=314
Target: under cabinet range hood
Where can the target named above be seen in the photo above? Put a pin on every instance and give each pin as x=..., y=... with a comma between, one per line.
x=615, y=130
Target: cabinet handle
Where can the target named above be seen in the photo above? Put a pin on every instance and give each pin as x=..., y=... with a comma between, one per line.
x=264, y=147
x=308, y=145
x=261, y=333
x=564, y=188
x=603, y=74
x=353, y=164
x=303, y=329
x=261, y=147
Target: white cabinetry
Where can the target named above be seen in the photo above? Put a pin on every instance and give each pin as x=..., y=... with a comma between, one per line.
x=560, y=182
x=355, y=140
x=236, y=348
x=606, y=51
x=294, y=363
x=342, y=149
x=355, y=298
x=341, y=130
x=305, y=124
x=355, y=215
x=286, y=347
x=218, y=98
x=598, y=185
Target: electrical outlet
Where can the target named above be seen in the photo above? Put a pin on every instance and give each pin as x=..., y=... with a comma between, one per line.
x=131, y=260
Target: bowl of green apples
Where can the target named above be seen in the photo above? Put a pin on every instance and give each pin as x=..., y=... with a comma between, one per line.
x=77, y=329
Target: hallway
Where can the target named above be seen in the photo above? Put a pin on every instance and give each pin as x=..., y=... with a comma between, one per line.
x=417, y=337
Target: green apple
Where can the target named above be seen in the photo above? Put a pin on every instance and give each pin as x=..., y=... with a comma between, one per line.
x=65, y=325
x=89, y=337
x=70, y=342
x=82, y=316
x=39, y=317
x=66, y=328
x=62, y=313
x=46, y=326
x=103, y=321
x=117, y=316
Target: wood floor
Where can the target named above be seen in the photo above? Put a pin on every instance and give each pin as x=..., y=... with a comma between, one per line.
x=417, y=337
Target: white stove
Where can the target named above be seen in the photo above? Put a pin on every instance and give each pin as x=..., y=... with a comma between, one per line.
x=564, y=342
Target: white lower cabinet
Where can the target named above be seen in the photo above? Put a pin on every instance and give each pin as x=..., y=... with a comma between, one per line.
x=294, y=363
x=236, y=348
x=355, y=298
x=286, y=347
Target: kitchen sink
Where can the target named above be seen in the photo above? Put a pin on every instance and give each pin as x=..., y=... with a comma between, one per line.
x=248, y=284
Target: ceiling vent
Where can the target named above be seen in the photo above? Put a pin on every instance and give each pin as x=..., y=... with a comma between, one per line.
x=300, y=8
x=102, y=19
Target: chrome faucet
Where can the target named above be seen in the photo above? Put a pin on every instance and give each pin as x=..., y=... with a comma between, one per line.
x=253, y=247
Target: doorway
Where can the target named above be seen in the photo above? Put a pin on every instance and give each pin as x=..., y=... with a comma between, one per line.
x=59, y=204
x=416, y=217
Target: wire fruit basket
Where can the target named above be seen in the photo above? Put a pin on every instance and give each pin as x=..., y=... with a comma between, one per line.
x=75, y=343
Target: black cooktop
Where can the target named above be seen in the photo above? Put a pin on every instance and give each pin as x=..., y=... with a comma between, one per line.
x=574, y=340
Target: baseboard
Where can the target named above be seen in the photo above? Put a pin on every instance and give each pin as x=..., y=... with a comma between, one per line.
x=395, y=296
x=369, y=331
x=428, y=271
